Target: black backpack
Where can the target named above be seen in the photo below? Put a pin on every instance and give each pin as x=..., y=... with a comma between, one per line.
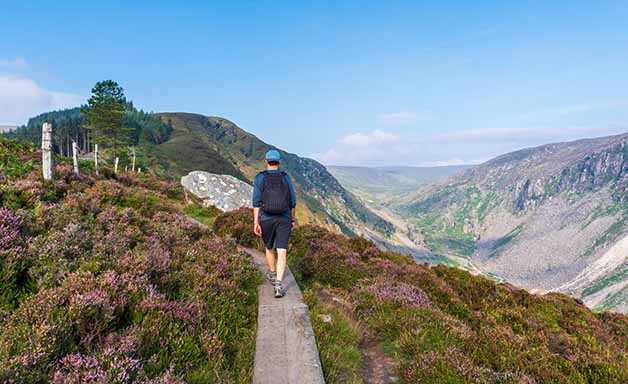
x=275, y=193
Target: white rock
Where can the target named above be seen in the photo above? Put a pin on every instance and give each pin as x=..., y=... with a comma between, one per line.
x=225, y=192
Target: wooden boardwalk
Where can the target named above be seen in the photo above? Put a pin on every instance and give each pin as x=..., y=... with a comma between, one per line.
x=285, y=348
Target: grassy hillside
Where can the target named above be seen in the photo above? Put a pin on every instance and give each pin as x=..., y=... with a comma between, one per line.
x=377, y=312
x=106, y=280
x=217, y=145
x=170, y=145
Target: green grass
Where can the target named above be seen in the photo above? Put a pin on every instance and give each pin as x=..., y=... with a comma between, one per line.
x=617, y=229
x=500, y=243
x=338, y=342
x=206, y=215
x=619, y=275
x=443, y=239
x=615, y=208
x=613, y=301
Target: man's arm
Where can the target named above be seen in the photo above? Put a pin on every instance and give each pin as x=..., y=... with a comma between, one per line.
x=257, y=203
x=293, y=198
x=257, y=228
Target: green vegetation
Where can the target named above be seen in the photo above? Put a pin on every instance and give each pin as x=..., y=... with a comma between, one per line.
x=613, y=301
x=505, y=240
x=215, y=145
x=106, y=277
x=16, y=159
x=617, y=229
x=205, y=215
x=444, y=325
x=615, y=208
x=105, y=116
x=448, y=218
x=620, y=274
x=338, y=341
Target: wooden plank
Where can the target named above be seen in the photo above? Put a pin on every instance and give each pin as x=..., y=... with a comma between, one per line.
x=285, y=348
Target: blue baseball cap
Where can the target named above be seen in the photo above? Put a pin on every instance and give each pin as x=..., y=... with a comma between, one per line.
x=273, y=155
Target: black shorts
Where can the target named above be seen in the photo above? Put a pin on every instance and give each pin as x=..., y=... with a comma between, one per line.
x=276, y=232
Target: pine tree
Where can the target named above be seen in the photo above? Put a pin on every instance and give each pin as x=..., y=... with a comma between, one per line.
x=105, y=111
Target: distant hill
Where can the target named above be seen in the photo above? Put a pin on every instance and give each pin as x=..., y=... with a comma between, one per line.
x=7, y=128
x=173, y=144
x=387, y=181
x=217, y=145
x=553, y=217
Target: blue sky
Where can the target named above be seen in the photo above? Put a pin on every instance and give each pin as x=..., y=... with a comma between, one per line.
x=346, y=82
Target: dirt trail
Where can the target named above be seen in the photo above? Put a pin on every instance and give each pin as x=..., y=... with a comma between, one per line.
x=377, y=368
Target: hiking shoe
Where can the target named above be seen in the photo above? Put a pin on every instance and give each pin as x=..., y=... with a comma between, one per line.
x=271, y=276
x=278, y=289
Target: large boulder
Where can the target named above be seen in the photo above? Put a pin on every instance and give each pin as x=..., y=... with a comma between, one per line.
x=225, y=192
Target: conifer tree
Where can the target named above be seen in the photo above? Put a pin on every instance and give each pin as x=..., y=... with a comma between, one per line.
x=105, y=111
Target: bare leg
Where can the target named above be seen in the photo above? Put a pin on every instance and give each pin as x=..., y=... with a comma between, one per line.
x=281, y=263
x=270, y=259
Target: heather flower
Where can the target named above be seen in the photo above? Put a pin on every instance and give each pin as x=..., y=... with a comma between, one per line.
x=188, y=312
x=10, y=230
x=402, y=293
x=79, y=369
x=167, y=377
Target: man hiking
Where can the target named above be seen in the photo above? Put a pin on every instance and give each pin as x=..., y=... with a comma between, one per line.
x=274, y=200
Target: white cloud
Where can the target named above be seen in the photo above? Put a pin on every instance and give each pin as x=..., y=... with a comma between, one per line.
x=358, y=148
x=367, y=139
x=471, y=146
x=22, y=98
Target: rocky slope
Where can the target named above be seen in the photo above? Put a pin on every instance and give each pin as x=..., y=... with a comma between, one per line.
x=547, y=218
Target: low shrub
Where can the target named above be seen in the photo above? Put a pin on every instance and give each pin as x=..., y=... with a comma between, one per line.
x=443, y=325
x=105, y=279
x=238, y=224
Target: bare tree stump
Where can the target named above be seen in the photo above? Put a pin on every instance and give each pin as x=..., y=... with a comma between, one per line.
x=46, y=152
x=115, y=165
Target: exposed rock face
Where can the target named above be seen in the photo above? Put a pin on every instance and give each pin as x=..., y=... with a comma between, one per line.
x=542, y=218
x=225, y=192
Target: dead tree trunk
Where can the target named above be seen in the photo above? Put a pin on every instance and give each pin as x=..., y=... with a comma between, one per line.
x=133, y=159
x=96, y=158
x=46, y=152
x=115, y=165
x=75, y=157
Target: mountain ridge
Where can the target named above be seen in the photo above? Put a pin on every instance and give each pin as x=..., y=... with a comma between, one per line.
x=322, y=199
x=537, y=217
x=172, y=144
